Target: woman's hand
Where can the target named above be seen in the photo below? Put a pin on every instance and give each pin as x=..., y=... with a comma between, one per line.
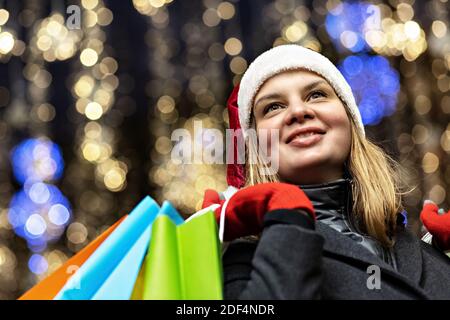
x=437, y=224
x=245, y=210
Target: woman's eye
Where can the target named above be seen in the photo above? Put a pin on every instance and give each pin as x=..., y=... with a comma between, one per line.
x=272, y=107
x=317, y=94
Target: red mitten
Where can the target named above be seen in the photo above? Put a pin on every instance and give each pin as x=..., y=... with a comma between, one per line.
x=436, y=224
x=245, y=210
x=212, y=197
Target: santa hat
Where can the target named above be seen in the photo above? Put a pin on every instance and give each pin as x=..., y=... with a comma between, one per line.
x=235, y=171
x=268, y=64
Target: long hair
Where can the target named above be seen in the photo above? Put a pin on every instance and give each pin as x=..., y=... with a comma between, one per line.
x=377, y=185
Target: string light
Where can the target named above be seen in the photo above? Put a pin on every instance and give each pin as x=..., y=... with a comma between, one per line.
x=362, y=26
x=54, y=40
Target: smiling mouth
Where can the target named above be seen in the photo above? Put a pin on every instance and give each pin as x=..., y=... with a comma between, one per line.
x=306, y=139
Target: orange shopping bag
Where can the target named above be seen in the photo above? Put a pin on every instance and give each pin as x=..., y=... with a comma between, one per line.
x=48, y=288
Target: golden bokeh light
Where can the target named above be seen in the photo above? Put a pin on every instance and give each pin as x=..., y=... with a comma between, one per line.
x=77, y=233
x=84, y=86
x=157, y=3
x=439, y=28
x=89, y=4
x=398, y=35
x=108, y=65
x=165, y=104
x=4, y=16
x=54, y=40
x=163, y=145
x=430, y=162
x=238, y=65
x=6, y=42
x=91, y=151
x=412, y=30
x=226, y=10
x=422, y=104
x=55, y=259
x=144, y=7
x=437, y=194
x=93, y=130
x=93, y=111
x=445, y=139
x=104, y=97
x=420, y=134
x=112, y=173
x=405, y=12
x=296, y=31
x=211, y=17
x=90, y=18
x=233, y=46
x=104, y=16
x=115, y=179
x=45, y=112
x=88, y=57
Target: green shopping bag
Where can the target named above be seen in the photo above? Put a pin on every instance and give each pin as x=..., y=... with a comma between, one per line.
x=183, y=262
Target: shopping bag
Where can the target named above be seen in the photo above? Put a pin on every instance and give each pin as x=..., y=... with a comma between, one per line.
x=168, y=210
x=183, y=262
x=129, y=236
x=48, y=288
x=120, y=283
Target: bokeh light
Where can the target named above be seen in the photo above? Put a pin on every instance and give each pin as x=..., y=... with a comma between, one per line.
x=54, y=40
x=37, y=264
x=347, y=22
x=4, y=16
x=37, y=159
x=375, y=85
x=88, y=57
x=6, y=42
x=363, y=26
x=39, y=213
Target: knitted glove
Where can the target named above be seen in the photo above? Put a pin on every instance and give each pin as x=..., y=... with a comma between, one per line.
x=437, y=224
x=212, y=197
x=245, y=210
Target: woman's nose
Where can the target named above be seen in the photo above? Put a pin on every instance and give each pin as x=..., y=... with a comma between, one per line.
x=298, y=111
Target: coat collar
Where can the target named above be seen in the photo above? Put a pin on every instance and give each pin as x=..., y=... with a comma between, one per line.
x=335, y=197
x=407, y=252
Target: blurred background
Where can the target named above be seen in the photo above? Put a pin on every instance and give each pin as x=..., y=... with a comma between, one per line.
x=87, y=110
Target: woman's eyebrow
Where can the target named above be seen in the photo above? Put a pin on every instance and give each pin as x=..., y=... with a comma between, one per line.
x=268, y=97
x=278, y=96
x=314, y=84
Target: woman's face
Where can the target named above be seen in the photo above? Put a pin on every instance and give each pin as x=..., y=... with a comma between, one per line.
x=314, y=129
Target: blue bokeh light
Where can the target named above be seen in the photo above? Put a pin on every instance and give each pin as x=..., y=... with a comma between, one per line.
x=39, y=213
x=58, y=214
x=37, y=264
x=37, y=159
x=350, y=20
x=375, y=85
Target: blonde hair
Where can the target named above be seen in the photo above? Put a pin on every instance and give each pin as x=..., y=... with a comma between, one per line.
x=377, y=187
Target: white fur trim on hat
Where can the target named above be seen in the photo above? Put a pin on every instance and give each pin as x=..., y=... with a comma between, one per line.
x=289, y=57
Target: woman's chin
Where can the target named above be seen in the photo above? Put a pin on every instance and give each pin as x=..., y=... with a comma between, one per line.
x=304, y=159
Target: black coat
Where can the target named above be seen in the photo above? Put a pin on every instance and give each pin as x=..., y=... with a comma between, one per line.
x=296, y=258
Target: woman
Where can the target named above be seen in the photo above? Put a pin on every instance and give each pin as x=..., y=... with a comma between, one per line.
x=328, y=222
